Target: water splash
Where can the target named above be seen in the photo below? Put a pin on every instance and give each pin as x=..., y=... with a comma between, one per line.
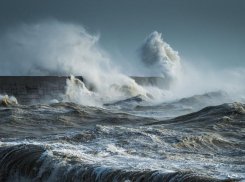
x=159, y=57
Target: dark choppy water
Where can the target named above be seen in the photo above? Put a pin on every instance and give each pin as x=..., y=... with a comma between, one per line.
x=200, y=138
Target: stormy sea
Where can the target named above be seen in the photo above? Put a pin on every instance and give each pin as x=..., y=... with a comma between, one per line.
x=199, y=138
x=111, y=129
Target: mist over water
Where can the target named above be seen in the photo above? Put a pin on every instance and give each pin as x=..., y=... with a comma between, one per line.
x=108, y=127
x=56, y=48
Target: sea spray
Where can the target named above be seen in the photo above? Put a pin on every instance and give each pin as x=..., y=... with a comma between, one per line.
x=56, y=48
x=159, y=57
x=77, y=92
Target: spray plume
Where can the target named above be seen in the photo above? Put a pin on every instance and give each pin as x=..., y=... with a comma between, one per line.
x=159, y=57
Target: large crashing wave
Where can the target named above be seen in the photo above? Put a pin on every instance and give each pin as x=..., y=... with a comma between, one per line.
x=159, y=57
x=56, y=48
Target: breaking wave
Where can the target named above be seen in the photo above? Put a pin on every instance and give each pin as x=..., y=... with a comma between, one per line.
x=5, y=100
x=35, y=163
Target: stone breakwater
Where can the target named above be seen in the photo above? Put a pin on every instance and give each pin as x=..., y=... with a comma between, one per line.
x=38, y=89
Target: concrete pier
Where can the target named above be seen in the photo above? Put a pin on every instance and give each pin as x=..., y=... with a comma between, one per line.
x=40, y=89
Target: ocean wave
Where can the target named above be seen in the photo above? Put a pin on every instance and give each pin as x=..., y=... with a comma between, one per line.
x=59, y=118
x=233, y=113
x=35, y=163
x=208, y=142
x=5, y=100
x=127, y=104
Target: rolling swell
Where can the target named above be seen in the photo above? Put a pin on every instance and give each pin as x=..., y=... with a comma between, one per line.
x=59, y=118
x=31, y=163
x=232, y=114
x=79, y=143
x=165, y=110
x=216, y=132
x=20, y=160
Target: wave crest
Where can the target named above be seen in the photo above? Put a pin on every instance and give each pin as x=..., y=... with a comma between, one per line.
x=5, y=100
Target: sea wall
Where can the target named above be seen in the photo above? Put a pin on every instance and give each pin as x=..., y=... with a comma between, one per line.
x=152, y=82
x=40, y=89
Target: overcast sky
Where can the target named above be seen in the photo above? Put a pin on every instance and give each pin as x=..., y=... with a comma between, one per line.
x=200, y=30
